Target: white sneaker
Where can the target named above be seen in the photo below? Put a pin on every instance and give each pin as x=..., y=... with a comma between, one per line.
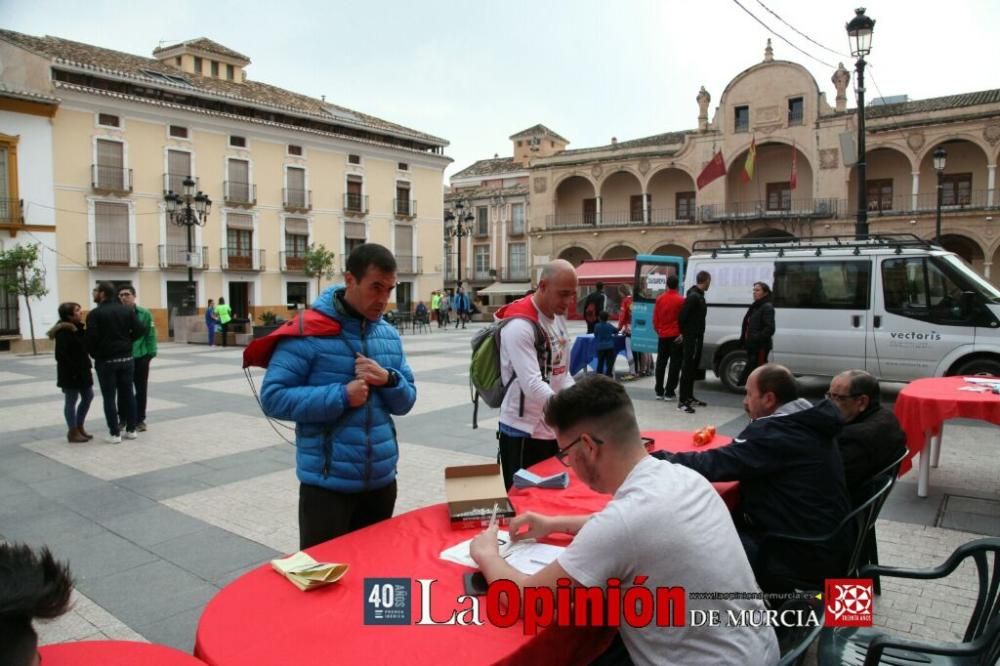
x=130, y=435
x=113, y=439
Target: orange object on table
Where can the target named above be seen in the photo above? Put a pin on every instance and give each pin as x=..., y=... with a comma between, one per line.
x=704, y=436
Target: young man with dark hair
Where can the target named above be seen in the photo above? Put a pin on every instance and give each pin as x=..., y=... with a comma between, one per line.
x=342, y=391
x=595, y=303
x=660, y=524
x=871, y=437
x=668, y=330
x=111, y=330
x=692, y=326
x=757, y=332
x=32, y=584
x=143, y=353
x=790, y=473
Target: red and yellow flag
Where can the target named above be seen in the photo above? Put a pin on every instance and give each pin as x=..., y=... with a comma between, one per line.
x=748, y=166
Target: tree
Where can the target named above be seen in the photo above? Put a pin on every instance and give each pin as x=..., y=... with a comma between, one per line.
x=319, y=263
x=21, y=274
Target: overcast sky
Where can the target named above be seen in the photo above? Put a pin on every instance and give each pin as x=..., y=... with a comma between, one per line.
x=476, y=72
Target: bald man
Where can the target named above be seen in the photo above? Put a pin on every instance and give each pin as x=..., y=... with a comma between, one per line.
x=534, y=358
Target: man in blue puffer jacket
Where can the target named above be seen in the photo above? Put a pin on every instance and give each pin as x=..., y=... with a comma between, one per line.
x=342, y=391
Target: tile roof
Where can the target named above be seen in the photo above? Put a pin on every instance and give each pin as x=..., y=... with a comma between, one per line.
x=205, y=44
x=485, y=192
x=666, y=139
x=935, y=104
x=150, y=72
x=31, y=95
x=537, y=129
x=491, y=167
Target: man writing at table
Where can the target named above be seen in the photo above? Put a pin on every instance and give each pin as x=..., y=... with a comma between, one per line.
x=663, y=522
x=341, y=391
x=790, y=473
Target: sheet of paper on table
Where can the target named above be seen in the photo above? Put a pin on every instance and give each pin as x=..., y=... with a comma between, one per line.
x=525, y=556
x=306, y=573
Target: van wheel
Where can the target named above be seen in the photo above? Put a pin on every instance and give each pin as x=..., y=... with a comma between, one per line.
x=731, y=368
x=980, y=366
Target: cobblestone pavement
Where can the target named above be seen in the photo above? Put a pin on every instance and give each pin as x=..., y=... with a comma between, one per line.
x=154, y=527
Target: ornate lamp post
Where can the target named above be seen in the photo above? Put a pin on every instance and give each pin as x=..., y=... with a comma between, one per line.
x=187, y=210
x=458, y=224
x=940, y=155
x=859, y=32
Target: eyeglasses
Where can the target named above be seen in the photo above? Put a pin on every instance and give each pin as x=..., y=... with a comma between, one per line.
x=563, y=454
x=840, y=397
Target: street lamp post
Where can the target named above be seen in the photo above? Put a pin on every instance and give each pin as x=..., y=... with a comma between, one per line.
x=458, y=225
x=940, y=155
x=181, y=212
x=859, y=31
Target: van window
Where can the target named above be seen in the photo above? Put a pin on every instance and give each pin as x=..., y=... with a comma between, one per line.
x=822, y=285
x=920, y=288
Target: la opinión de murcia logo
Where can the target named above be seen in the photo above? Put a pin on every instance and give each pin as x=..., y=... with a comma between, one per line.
x=849, y=602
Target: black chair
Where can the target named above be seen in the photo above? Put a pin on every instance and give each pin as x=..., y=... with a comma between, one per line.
x=420, y=321
x=869, y=551
x=794, y=641
x=980, y=644
x=853, y=529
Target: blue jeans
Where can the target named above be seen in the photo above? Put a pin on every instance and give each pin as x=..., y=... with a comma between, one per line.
x=211, y=334
x=116, y=378
x=77, y=414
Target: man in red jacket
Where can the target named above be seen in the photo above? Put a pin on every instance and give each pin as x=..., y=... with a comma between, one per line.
x=665, y=312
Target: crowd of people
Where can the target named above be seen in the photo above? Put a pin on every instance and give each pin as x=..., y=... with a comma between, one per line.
x=800, y=465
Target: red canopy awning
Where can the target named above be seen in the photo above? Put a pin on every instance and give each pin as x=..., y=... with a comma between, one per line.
x=606, y=270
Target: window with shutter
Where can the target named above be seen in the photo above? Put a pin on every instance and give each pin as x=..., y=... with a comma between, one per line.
x=296, y=187
x=238, y=186
x=405, y=261
x=111, y=232
x=110, y=165
x=178, y=168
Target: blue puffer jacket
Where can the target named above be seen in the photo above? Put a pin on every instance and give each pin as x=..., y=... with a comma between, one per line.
x=338, y=447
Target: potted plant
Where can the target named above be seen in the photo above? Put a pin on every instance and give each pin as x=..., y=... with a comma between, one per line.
x=268, y=322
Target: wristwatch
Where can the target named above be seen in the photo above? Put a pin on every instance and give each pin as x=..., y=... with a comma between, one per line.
x=393, y=379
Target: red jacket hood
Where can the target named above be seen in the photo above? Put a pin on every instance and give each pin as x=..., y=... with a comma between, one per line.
x=522, y=307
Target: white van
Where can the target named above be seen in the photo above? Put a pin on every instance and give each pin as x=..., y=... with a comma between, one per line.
x=897, y=306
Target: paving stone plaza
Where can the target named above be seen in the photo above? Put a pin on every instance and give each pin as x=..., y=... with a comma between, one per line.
x=153, y=528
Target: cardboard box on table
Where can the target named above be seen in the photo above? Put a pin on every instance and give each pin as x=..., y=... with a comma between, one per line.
x=472, y=490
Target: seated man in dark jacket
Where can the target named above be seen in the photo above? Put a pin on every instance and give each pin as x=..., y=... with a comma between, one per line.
x=790, y=473
x=871, y=438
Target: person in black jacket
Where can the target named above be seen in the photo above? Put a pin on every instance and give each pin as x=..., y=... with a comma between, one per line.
x=111, y=330
x=871, y=438
x=758, y=330
x=791, y=477
x=692, y=323
x=73, y=370
x=595, y=303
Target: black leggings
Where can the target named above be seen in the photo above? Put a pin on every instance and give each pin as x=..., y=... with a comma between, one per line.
x=325, y=514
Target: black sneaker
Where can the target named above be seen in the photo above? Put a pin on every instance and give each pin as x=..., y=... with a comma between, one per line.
x=698, y=402
x=141, y=427
x=685, y=407
x=670, y=396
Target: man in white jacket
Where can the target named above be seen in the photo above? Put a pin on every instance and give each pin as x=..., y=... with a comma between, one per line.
x=524, y=437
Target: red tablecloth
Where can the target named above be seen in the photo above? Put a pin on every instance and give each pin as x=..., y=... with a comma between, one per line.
x=923, y=405
x=578, y=498
x=261, y=618
x=114, y=653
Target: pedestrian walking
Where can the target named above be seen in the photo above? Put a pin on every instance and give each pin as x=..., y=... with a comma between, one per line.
x=225, y=314
x=211, y=319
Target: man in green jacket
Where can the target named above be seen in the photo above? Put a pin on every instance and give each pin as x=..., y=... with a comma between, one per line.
x=143, y=352
x=225, y=315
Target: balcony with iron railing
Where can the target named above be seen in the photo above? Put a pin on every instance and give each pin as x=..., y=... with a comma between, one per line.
x=174, y=182
x=451, y=271
x=238, y=193
x=295, y=200
x=114, y=255
x=482, y=274
x=408, y=264
x=355, y=204
x=292, y=262
x=765, y=210
x=513, y=274
x=110, y=179
x=11, y=216
x=176, y=256
x=668, y=216
x=241, y=259
x=404, y=207
x=926, y=202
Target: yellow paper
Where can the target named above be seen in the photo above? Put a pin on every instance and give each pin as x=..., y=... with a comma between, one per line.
x=306, y=573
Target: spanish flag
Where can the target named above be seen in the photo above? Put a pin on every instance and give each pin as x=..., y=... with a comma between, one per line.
x=751, y=161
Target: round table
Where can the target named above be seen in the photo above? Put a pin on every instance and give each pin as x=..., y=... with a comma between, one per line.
x=924, y=405
x=114, y=653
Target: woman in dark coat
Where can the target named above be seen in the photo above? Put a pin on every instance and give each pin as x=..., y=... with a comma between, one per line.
x=73, y=370
x=758, y=330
